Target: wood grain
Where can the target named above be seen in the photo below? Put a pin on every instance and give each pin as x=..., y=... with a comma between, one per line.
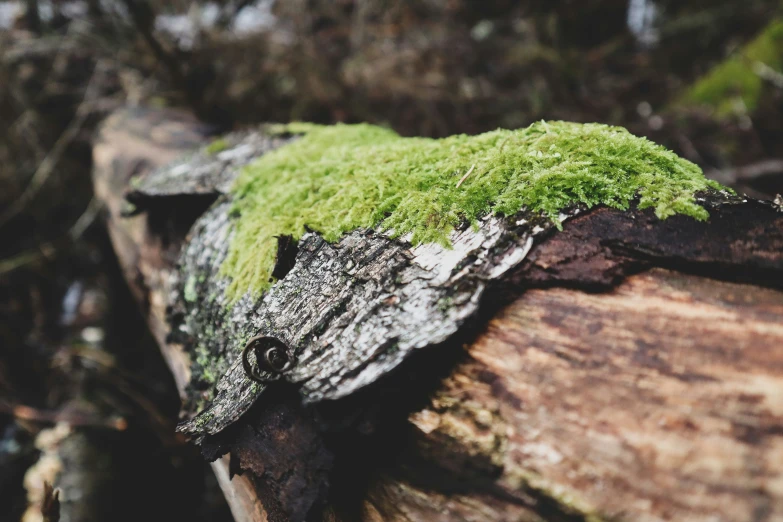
x=659, y=400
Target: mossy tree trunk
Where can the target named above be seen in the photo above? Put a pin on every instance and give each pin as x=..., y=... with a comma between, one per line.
x=629, y=369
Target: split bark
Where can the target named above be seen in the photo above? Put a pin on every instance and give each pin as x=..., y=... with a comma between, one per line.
x=627, y=369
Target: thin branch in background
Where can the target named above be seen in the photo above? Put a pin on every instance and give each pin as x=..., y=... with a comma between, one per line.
x=49, y=249
x=33, y=16
x=44, y=251
x=747, y=172
x=359, y=23
x=46, y=167
x=143, y=18
x=688, y=148
x=85, y=220
x=127, y=383
x=72, y=417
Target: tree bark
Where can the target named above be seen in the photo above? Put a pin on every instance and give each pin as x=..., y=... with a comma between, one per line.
x=627, y=369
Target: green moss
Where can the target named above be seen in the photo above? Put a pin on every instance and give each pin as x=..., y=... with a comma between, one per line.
x=217, y=145
x=738, y=81
x=338, y=178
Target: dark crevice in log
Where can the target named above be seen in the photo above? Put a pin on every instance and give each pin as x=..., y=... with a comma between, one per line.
x=368, y=431
x=287, y=248
x=172, y=217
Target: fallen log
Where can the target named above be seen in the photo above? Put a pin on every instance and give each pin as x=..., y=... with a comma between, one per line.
x=624, y=368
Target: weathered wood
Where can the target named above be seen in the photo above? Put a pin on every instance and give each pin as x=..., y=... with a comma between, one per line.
x=659, y=400
x=134, y=142
x=592, y=385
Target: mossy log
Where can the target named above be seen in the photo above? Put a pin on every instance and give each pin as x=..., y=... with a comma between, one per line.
x=624, y=368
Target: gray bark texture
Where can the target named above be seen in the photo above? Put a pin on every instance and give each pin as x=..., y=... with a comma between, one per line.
x=624, y=368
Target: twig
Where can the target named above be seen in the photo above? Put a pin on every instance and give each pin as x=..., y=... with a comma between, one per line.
x=129, y=385
x=74, y=418
x=747, y=172
x=25, y=258
x=33, y=16
x=85, y=220
x=463, y=178
x=143, y=17
x=360, y=10
x=46, y=167
x=48, y=249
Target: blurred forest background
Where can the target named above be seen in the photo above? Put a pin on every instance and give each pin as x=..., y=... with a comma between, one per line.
x=83, y=389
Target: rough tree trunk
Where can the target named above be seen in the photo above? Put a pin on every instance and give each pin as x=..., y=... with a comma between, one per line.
x=628, y=369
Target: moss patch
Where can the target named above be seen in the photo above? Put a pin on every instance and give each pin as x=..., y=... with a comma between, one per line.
x=338, y=178
x=738, y=82
x=216, y=146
